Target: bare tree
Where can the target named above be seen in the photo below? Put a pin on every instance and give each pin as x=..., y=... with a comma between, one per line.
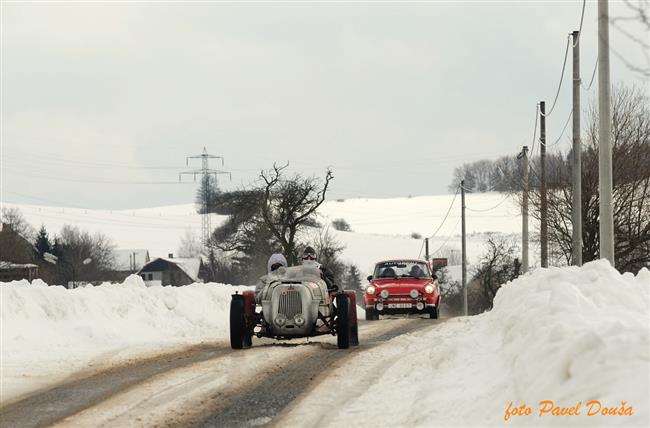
x=631, y=173
x=497, y=266
x=84, y=256
x=289, y=204
x=635, y=26
x=328, y=249
x=190, y=244
x=16, y=220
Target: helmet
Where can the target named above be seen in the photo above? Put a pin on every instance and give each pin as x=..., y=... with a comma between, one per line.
x=275, y=261
x=309, y=253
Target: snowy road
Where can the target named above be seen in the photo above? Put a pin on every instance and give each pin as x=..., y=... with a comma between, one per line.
x=207, y=386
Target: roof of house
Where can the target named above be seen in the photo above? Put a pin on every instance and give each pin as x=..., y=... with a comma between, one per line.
x=123, y=259
x=10, y=265
x=190, y=266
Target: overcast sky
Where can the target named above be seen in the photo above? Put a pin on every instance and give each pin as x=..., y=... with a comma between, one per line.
x=101, y=102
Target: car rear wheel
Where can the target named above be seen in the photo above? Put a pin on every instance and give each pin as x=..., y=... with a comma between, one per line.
x=343, y=327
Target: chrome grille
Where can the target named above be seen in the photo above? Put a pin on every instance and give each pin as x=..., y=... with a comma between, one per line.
x=290, y=303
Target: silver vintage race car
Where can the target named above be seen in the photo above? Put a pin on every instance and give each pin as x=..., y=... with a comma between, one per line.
x=295, y=303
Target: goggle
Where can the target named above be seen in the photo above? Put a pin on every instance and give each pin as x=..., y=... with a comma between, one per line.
x=309, y=257
x=276, y=266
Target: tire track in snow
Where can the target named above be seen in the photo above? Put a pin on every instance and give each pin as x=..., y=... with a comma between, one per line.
x=44, y=408
x=259, y=401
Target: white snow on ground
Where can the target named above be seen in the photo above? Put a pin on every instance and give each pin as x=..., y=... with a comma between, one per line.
x=569, y=335
x=48, y=332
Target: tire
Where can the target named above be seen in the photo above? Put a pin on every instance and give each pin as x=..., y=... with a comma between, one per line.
x=372, y=315
x=249, y=311
x=343, y=330
x=433, y=313
x=354, y=325
x=237, y=323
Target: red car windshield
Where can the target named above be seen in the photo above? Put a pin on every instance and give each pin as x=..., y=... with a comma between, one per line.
x=401, y=269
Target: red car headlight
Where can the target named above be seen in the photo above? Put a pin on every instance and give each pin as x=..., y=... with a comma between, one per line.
x=370, y=289
x=428, y=289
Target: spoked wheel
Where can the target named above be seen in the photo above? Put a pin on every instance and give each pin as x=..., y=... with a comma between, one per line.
x=343, y=327
x=240, y=336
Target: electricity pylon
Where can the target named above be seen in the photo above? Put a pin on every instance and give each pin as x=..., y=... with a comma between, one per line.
x=205, y=173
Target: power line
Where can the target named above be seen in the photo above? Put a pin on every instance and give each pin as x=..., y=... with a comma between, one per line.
x=592, y=76
x=582, y=17
x=55, y=160
x=489, y=209
x=568, y=119
x=57, y=177
x=557, y=94
x=446, y=215
x=532, y=150
x=448, y=238
x=420, y=253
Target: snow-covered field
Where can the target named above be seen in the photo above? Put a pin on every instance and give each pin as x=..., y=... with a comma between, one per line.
x=570, y=335
x=381, y=228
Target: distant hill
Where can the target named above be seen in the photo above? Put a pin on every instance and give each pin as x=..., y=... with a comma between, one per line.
x=381, y=228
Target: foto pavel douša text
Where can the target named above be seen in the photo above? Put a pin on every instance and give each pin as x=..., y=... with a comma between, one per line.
x=549, y=408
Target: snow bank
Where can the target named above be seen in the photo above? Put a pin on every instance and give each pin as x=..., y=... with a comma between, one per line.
x=47, y=330
x=570, y=335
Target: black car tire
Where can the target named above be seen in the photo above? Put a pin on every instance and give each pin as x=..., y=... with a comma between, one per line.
x=433, y=313
x=240, y=337
x=343, y=328
x=372, y=314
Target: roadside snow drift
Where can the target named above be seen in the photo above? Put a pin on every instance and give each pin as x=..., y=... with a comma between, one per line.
x=49, y=332
x=568, y=336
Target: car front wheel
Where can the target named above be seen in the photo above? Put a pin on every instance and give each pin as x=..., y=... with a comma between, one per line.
x=372, y=314
x=433, y=313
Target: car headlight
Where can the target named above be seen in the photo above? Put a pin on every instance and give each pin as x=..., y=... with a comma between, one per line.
x=428, y=289
x=384, y=294
x=414, y=294
x=280, y=320
x=370, y=289
x=299, y=320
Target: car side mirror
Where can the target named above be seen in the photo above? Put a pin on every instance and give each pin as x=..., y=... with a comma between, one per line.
x=369, y=278
x=434, y=276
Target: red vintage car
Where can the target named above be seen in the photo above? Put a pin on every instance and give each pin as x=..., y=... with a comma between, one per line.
x=402, y=286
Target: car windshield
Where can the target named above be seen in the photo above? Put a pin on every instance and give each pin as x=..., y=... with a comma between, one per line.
x=401, y=269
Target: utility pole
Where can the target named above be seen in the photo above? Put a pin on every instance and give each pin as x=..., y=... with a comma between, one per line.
x=205, y=173
x=426, y=249
x=524, y=209
x=604, y=136
x=576, y=212
x=464, y=247
x=543, y=233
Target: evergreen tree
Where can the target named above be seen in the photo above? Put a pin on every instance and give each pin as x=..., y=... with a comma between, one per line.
x=207, y=194
x=57, y=248
x=42, y=244
x=353, y=282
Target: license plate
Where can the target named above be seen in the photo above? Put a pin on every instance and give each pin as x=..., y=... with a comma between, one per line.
x=399, y=305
